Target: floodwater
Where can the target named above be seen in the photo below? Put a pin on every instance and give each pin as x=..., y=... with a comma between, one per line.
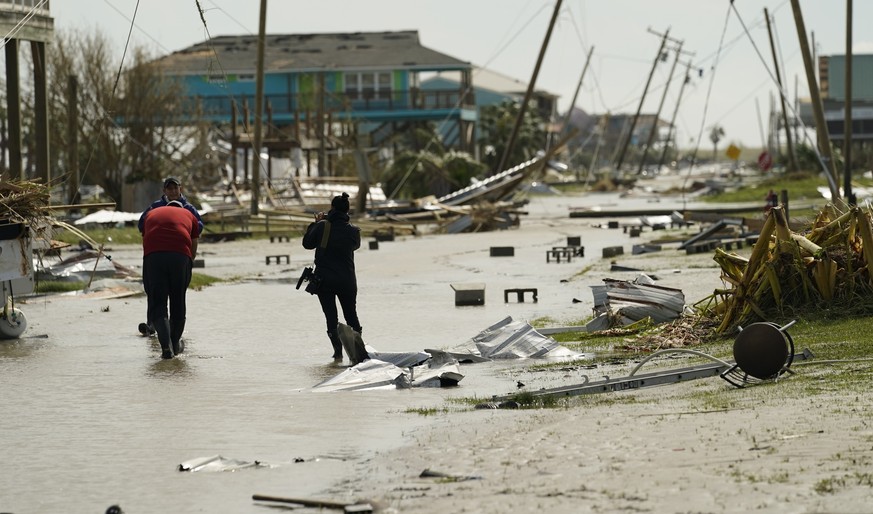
x=91, y=416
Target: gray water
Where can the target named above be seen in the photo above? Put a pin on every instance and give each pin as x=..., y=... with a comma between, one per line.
x=91, y=416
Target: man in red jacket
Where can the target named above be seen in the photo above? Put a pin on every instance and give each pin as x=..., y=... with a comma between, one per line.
x=169, y=246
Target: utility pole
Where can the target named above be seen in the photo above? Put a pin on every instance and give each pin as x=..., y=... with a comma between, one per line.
x=847, y=122
x=564, y=128
x=259, y=110
x=530, y=87
x=630, y=132
x=672, y=126
x=792, y=159
x=821, y=128
x=654, y=129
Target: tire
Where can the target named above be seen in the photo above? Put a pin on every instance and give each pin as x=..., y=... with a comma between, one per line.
x=12, y=325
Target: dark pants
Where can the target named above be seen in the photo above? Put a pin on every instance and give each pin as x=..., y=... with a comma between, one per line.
x=347, y=301
x=165, y=277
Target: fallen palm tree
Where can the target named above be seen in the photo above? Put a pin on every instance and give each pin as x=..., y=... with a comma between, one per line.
x=829, y=266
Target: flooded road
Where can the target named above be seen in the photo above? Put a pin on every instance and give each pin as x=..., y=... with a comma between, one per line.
x=93, y=417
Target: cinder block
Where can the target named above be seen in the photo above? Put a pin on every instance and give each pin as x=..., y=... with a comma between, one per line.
x=199, y=263
x=612, y=251
x=374, y=245
x=612, y=224
x=469, y=294
x=574, y=241
x=502, y=251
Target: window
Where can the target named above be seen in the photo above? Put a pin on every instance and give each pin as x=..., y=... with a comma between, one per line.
x=368, y=85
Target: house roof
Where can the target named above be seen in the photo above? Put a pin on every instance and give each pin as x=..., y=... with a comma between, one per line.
x=494, y=81
x=311, y=52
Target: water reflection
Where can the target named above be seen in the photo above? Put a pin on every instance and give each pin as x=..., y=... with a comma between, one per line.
x=176, y=369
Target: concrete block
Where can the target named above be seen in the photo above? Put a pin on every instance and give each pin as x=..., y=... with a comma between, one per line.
x=502, y=251
x=374, y=245
x=612, y=251
x=469, y=294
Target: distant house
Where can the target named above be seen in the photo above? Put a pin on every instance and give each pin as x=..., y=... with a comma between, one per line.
x=367, y=82
x=832, y=85
x=493, y=88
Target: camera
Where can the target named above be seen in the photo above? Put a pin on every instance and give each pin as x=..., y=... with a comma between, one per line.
x=306, y=276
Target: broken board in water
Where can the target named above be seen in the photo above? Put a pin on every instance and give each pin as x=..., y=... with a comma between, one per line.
x=352, y=343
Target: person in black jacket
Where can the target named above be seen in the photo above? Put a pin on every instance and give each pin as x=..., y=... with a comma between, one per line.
x=335, y=266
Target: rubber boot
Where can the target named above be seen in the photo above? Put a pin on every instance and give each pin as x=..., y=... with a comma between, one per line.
x=337, y=346
x=162, y=327
x=177, y=327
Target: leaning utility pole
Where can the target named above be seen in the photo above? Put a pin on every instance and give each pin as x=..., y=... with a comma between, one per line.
x=259, y=110
x=654, y=128
x=672, y=126
x=527, y=95
x=576, y=93
x=821, y=128
x=792, y=159
x=630, y=132
x=566, y=125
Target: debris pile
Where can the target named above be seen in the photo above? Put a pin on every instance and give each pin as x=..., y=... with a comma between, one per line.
x=619, y=303
x=827, y=266
x=23, y=202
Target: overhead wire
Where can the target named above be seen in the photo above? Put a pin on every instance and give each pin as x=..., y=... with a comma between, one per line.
x=469, y=88
x=782, y=92
x=706, y=102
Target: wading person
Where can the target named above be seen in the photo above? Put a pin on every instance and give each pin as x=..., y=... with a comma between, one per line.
x=172, y=192
x=169, y=246
x=335, y=240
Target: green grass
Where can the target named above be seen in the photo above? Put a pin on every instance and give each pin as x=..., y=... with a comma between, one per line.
x=800, y=186
x=105, y=236
x=199, y=281
x=55, y=286
x=131, y=235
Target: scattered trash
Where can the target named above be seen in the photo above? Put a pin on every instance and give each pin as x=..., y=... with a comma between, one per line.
x=427, y=473
x=321, y=504
x=216, y=463
x=622, y=302
x=509, y=339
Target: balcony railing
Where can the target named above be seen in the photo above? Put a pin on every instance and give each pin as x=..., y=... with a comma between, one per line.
x=25, y=5
x=415, y=99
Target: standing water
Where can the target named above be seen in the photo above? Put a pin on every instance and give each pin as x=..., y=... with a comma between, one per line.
x=91, y=416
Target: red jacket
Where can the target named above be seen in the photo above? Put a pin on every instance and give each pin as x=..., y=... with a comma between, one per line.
x=170, y=229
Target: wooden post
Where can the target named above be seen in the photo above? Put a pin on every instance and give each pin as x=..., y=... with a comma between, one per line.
x=847, y=122
x=40, y=111
x=73, y=196
x=259, y=110
x=13, y=108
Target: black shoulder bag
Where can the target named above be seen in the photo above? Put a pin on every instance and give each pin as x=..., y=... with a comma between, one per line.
x=313, y=281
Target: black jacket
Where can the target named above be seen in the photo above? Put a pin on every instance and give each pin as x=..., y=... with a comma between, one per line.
x=335, y=264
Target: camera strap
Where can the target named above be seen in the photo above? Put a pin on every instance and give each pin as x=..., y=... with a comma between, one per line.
x=325, y=235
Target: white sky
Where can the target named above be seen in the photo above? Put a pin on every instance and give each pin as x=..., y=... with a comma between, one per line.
x=506, y=36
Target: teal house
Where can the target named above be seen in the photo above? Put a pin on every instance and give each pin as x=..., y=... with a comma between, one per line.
x=318, y=85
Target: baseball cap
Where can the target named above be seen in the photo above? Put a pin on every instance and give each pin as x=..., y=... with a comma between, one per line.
x=172, y=180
